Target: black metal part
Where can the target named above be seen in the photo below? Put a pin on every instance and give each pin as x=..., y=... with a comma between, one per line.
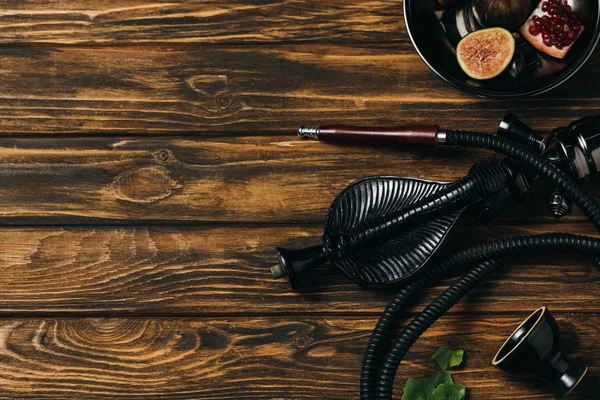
x=514, y=129
x=559, y=205
x=579, y=145
x=293, y=263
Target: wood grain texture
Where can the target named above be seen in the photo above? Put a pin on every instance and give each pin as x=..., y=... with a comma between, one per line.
x=225, y=271
x=170, y=90
x=241, y=179
x=255, y=358
x=238, y=179
x=138, y=267
x=200, y=21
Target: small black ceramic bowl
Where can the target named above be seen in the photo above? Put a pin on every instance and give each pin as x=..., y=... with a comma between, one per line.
x=534, y=350
x=435, y=33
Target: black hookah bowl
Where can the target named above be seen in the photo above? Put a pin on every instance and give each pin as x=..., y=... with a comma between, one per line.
x=533, y=350
x=381, y=231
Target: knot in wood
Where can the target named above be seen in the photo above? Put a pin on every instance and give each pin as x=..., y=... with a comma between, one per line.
x=144, y=185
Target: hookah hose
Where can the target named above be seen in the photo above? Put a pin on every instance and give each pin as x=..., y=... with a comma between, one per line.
x=381, y=358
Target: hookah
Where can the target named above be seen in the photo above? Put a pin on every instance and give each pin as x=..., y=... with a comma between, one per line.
x=385, y=232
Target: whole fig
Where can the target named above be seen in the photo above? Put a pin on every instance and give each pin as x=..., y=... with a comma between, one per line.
x=507, y=14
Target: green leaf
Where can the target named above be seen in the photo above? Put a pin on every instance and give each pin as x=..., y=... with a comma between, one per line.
x=421, y=389
x=447, y=358
x=449, y=391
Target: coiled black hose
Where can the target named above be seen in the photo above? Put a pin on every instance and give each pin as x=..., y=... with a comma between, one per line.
x=380, y=362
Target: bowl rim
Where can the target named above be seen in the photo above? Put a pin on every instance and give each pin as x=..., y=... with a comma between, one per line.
x=554, y=83
x=542, y=311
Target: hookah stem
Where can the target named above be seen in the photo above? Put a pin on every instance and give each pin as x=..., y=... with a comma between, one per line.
x=377, y=379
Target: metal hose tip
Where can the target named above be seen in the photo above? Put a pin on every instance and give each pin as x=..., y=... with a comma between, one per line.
x=310, y=133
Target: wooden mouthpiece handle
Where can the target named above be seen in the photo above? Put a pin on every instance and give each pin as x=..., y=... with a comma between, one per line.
x=421, y=135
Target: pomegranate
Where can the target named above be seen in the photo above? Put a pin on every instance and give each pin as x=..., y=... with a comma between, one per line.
x=486, y=53
x=553, y=28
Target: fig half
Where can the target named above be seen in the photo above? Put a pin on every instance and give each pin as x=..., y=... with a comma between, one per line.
x=486, y=53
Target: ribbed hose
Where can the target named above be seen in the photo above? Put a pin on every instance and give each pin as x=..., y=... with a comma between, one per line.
x=377, y=378
x=426, y=318
x=484, y=179
x=534, y=163
x=381, y=337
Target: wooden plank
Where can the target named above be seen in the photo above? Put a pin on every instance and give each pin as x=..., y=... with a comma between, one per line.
x=173, y=90
x=256, y=358
x=226, y=179
x=225, y=271
x=252, y=179
x=201, y=21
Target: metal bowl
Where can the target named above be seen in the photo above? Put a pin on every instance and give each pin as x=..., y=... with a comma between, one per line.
x=435, y=34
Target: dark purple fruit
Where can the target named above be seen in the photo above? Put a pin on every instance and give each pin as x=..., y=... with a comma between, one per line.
x=448, y=3
x=508, y=14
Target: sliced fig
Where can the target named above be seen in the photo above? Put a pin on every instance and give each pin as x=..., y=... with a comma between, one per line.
x=486, y=53
x=553, y=27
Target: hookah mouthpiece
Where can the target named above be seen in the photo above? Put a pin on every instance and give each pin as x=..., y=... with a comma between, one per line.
x=421, y=135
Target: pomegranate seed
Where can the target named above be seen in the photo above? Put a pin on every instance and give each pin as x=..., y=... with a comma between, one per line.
x=534, y=30
x=559, y=26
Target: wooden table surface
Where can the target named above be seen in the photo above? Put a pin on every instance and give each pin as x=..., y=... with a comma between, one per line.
x=149, y=167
